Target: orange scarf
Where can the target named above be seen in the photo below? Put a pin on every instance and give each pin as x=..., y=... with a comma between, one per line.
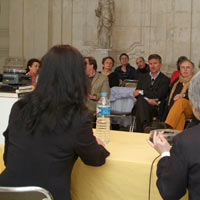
x=185, y=81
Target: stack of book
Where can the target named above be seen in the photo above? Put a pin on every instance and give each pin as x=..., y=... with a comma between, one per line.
x=19, y=92
x=24, y=89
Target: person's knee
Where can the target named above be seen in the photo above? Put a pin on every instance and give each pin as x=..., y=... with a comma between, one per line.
x=182, y=102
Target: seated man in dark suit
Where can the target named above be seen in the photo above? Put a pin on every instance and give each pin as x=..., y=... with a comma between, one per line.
x=179, y=166
x=151, y=90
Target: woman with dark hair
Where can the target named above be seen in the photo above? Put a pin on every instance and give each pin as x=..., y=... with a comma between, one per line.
x=50, y=127
x=32, y=68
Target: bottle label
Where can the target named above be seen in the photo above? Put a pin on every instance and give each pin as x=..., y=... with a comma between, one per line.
x=103, y=110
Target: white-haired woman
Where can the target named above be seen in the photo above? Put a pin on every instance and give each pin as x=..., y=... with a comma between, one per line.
x=178, y=103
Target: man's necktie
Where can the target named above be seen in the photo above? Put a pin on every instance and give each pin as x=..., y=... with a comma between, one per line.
x=152, y=81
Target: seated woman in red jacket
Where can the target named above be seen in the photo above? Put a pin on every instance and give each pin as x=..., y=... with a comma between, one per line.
x=50, y=127
x=32, y=68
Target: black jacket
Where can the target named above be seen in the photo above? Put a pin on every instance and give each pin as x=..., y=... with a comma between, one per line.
x=129, y=74
x=160, y=88
x=46, y=160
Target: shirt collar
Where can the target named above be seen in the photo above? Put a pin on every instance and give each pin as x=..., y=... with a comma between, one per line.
x=155, y=76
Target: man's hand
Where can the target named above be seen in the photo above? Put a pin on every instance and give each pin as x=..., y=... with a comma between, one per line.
x=92, y=97
x=153, y=102
x=100, y=142
x=136, y=93
x=160, y=143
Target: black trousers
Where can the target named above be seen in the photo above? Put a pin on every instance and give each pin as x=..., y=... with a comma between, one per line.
x=144, y=113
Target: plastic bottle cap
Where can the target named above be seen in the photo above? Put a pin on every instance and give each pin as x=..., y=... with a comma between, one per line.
x=104, y=94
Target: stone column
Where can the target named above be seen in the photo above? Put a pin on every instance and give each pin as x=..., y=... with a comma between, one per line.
x=36, y=35
x=4, y=33
x=67, y=21
x=16, y=50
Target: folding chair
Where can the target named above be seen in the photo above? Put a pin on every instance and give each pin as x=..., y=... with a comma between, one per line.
x=24, y=193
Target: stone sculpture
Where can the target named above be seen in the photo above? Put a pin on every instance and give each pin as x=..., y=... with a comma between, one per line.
x=105, y=13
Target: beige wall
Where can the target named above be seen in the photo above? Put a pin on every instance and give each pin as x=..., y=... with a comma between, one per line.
x=4, y=33
x=167, y=27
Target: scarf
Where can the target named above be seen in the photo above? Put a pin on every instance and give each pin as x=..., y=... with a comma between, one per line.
x=185, y=81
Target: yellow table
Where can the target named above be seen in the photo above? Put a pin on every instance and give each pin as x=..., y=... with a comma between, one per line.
x=1, y=158
x=125, y=176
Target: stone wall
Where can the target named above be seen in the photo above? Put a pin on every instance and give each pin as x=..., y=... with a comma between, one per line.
x=141, y=27
x=4, y=33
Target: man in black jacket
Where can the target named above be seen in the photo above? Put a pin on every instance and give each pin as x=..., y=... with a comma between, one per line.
x=125, y=70
x=143, y=67
x=179, y=168
x=151, y=90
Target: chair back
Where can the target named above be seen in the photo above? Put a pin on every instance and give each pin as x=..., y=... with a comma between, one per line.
x=130, y=83
x=24, y=193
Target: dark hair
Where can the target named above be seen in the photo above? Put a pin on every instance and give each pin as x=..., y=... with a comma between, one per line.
x=61, y=90
x=30, y=62
x=108, y=57
x=155, y=56
x=92, y=61
x=123, y=54
x=186, y=60
x=141, y=58
x=180, y=59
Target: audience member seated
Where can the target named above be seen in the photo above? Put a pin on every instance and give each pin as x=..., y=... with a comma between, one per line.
x=178, y=170
x=32, y=68
x=178, y=103
x=108, y=63
x=51, y=127
x=125, y=70
x=143, y=67
x=152, y=89
x=98, y=83
x=176, y=73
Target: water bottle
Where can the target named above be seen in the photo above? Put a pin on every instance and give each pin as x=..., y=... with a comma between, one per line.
x=103, y=119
